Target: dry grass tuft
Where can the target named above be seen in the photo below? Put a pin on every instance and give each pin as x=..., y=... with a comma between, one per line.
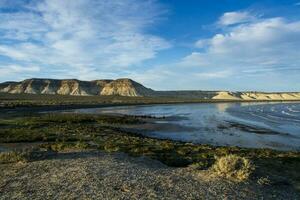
x=12, y=157
x=264, y=181
x=233, y=167
x=65, y=146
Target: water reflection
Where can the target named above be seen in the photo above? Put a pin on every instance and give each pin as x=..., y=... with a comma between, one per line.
x=222, y=107
x=258, y=125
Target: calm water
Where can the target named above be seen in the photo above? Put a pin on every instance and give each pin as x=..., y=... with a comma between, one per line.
x=258, y=125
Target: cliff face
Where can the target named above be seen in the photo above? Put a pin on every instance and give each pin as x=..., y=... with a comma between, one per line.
x=257, y=95
x=122, y=87
x=128, y=87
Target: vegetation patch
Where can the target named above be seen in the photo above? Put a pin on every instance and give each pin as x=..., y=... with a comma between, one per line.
x=233, y=167
x=66, y=132
x=65, y=146
x=12, y=157
x=12, y=101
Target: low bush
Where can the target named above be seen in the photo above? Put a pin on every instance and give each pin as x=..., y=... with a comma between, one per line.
x=233, y=167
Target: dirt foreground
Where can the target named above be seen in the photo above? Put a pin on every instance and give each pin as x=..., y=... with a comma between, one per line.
x=98, y=175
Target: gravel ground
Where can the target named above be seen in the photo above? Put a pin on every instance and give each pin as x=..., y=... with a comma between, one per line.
x=97, y=175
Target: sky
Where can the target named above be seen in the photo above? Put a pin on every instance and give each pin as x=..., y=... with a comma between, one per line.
x=237, y=45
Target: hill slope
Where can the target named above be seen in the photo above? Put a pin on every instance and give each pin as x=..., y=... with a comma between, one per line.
x=122, y=87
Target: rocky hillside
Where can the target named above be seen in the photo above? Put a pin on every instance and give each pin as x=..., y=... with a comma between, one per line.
x=125, y=87
x=122, y=87
x=258, y=95
x=128, y=87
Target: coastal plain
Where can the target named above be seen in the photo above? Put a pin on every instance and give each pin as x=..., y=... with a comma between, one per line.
x=69, y=149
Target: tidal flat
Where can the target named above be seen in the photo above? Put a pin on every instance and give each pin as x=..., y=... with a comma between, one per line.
x=35, y=142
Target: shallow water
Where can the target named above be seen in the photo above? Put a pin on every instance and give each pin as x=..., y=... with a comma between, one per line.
x=256, y=125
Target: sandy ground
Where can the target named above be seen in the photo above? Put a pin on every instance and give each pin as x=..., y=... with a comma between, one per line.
x=97, y=175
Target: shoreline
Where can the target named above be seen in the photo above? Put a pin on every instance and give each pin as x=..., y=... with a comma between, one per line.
x=43, y=109
x=70, y=106
x=61, y=133
x=71, y=133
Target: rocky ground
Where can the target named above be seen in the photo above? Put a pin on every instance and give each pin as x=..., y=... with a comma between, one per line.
x=98, y=175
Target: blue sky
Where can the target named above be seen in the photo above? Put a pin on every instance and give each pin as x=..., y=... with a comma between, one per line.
x=165, y=44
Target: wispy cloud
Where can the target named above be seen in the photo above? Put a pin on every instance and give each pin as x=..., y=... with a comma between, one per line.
x=213, y=75
x=9, y=71
x=88, y=38
x=231, y=18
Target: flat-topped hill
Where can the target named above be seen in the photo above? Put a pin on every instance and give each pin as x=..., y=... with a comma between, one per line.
x=122, y=87
x=128, y=87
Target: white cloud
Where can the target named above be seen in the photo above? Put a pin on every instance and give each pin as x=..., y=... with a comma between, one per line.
x=272, y=43
x=193, y=60
x=11, y=70
x=213, y=75
x=83, y=36
x=259, y=55
x=231, y=18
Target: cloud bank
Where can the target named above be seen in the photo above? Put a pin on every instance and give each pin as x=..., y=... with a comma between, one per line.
x=267, y=43
x=78, y=38
x=249, y=47
x=247, y=52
